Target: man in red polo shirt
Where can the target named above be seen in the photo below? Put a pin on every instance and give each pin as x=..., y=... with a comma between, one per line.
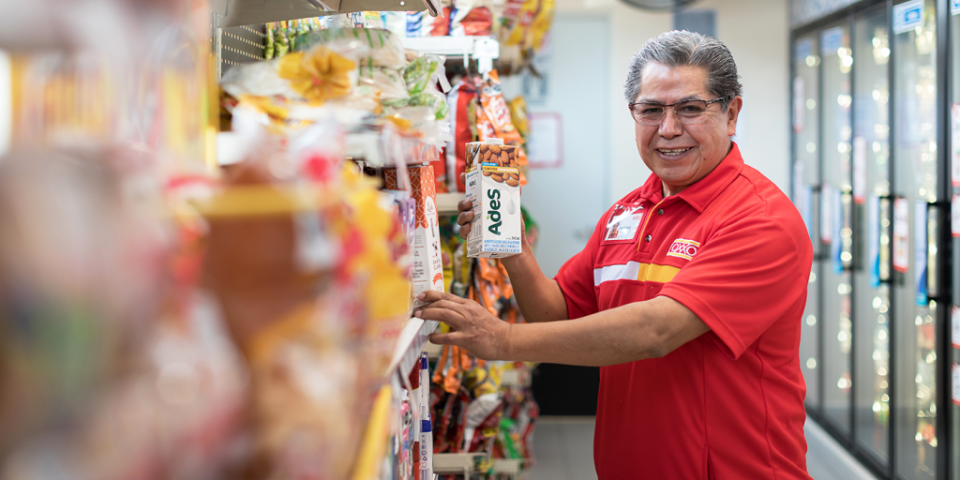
x=691, y=307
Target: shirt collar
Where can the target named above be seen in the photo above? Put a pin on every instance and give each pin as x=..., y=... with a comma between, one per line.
x=700, y=194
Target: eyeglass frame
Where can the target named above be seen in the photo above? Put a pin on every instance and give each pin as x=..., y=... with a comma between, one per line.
x=672, y=106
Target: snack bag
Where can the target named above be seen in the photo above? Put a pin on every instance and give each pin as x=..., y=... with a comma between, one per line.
x=519, y=116
x=477, y=23
x=462, y=101
x=414, y=24
x=518, y=17
x=441, y=26
x=395, y=23
x=384, y=80
x=370, y=46
x=494, y=121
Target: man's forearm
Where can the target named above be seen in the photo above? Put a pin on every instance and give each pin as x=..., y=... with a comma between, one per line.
x=540, y=298
x=624, y=334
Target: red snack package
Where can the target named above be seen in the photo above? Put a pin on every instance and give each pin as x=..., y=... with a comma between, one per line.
x=478, y=23
x=441, y=25
x=494, y=121
x=463, y=133
x=440, y=171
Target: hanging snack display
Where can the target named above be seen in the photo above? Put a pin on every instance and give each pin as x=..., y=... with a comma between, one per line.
x=237, y=307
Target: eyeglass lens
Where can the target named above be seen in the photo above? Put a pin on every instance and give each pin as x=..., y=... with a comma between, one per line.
x=689, y=113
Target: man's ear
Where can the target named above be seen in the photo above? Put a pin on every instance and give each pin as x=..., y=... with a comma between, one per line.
x=733, y=112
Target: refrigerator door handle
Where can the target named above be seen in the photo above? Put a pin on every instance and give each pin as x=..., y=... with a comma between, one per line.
x=936, y=219
x=885, y=239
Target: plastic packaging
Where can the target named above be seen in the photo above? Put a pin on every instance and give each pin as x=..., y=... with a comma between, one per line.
x=388, y=82
x=375, y=47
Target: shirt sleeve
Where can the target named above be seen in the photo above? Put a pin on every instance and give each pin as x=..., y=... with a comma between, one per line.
x=575, y=277
x=743, y=279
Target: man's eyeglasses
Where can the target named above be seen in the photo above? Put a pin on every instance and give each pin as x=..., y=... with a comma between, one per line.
x=689, y=112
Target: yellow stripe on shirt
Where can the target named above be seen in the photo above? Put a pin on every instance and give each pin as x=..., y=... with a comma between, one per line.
x=651, y=272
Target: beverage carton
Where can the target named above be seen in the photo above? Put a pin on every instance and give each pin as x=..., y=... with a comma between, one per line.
x=427, y=271
x=493, y=185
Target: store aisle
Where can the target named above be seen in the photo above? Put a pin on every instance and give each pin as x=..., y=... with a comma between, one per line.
x=564, y=451
x=563, y=447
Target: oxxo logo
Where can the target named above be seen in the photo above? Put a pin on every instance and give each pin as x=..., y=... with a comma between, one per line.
x=494, y=213
x=683, y=248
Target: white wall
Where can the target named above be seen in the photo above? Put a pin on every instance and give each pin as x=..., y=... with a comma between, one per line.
x=755, y=31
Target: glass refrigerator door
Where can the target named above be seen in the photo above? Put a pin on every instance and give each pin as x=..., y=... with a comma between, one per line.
x=871, y=190
x=835, y=232
x=954, y=159
x=806, y=123
x=914, y=186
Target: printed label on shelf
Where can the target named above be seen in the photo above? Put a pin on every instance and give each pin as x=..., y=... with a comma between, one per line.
x=907, y=16
x=826, y=213
x=831, y=40
x=859, y=170
x=956, y=384
x=920, y=251
x=901, y=234
x=955, y=326
x=955, y=215
x=873, y=239
x=955, y=137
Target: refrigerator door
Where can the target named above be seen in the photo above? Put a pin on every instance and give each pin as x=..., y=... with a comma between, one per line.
x=953, y=325
x=806, y=180
x=836, y=236
x=871, y=190
x=914, y=43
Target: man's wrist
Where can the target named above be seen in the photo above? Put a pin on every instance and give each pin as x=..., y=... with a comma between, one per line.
x=504, y=350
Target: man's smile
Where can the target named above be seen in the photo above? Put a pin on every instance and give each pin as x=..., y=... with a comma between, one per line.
x=673, y=153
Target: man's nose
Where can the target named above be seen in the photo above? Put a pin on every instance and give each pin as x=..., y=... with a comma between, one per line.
x=670, y=126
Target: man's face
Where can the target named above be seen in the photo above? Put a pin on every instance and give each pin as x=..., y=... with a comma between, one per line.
x=683, y=154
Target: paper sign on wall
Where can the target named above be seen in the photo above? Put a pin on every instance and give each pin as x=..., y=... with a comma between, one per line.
x=956, y=384
x=954, y=7
x=826, y=213
x=859, y=169
x=873, y=240
x=955, y=215
x=955, y=140
x=545, y=141
x=907, y=16
x=920, y=251
x=901, y=235
x=955, y=326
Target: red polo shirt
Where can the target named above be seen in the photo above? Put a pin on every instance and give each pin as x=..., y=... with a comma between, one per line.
x=729, y=404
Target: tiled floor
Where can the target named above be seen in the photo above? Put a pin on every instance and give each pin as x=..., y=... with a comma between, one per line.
x=564, y=451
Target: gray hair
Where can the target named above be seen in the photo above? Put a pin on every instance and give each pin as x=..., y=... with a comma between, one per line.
x=679, y=48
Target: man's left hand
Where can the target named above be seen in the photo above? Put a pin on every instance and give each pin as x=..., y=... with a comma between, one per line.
x=473, y=327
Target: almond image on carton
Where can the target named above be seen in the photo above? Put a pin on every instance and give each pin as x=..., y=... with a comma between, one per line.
x=493, y=185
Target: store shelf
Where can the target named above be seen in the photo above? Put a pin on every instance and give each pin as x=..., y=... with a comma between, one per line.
x=250, y=12
x=477, y=47
x=509, y=467
x=447, y=203
x=410, y=344
x=433, y=350
x=457, y=463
